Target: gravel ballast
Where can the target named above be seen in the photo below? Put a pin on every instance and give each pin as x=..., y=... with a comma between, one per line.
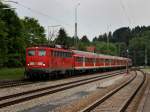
x=65, y=97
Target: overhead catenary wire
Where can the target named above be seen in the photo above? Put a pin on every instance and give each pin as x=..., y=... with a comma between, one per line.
x=132, y=17
x=125, y=12
x=38, y=12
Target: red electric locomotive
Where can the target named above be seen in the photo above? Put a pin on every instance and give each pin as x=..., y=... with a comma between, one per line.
x=44, y=62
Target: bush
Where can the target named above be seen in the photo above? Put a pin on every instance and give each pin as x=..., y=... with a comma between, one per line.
x=14, y=63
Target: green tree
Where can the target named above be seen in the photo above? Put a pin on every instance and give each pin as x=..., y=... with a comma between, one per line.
x=13, y=41
x=64, y=39
x=3, y=45
x=101, y=47
x=83, y=43
x=34, y=33
x=122, y=35
x=85, y=39
x=82, y=46
x=138, y=46
x=95, y=39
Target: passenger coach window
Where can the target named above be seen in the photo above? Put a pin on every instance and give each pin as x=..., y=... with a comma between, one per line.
x=31, y=53
x=79, y=59
x=42, y=52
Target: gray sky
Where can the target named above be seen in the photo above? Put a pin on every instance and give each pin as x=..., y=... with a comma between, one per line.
x=94, y=16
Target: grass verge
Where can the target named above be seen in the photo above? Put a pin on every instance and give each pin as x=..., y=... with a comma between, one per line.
x=11, y=73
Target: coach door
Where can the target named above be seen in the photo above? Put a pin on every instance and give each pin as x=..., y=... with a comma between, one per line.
x=67, y=60
x=83, y=61
x=55, y=61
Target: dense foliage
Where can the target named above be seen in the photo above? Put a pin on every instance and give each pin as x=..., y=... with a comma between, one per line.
x=16, y=34
x=136, y=41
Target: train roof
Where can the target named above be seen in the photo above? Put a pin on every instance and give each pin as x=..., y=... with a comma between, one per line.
x=80, y=53
x=90, y=54
x=45, y=47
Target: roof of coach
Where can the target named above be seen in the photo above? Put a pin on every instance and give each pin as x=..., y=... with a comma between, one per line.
x=90, y=54
x=61, y=49
x=44, y=47
x=80, y=53
x=37, y=48
x=83, y=53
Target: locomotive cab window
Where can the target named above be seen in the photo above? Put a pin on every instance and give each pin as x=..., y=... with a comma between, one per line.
x=42, y=53
x=31, y=53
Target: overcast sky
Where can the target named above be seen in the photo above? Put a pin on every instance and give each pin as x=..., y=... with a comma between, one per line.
x=94, y=16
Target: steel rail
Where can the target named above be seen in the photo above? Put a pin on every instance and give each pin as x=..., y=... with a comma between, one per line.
x=14, y=83
x=108, y=95
x=50, y=87
x=56, y=88
x=131, y=97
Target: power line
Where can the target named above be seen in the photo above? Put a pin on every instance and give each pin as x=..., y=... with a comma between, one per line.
x=38, y=12
x=124, y=9
x=132, y=16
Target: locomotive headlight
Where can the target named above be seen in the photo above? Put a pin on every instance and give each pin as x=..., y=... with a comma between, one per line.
x=41, y=63
x=31, y=63
x=28, y=64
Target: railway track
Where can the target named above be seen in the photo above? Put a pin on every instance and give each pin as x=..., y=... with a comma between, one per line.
x=29, y=95
x=114, y=100
x=13, y=83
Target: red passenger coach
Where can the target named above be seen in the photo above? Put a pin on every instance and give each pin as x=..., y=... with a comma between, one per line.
x=45, y=62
